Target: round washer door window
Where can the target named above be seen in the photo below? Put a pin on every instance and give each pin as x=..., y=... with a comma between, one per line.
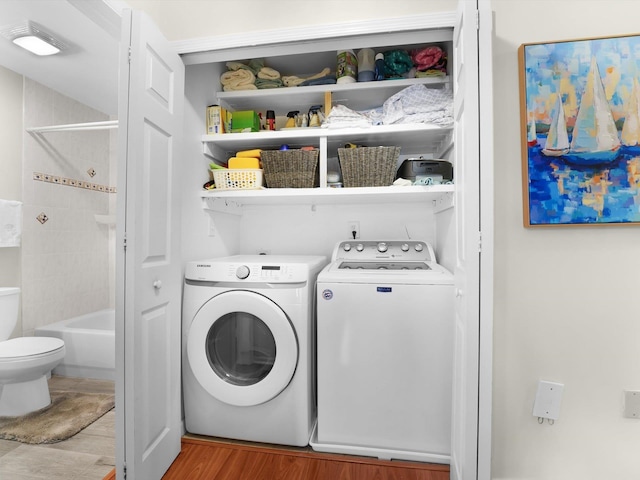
x=242, y=348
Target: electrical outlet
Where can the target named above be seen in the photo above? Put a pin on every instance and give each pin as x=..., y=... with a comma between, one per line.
x=354, y=229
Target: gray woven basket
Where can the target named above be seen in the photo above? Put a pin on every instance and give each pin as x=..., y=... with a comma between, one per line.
x=290, y=168
x=368, y=166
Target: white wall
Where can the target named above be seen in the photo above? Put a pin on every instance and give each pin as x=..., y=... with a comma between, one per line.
x=564, y=298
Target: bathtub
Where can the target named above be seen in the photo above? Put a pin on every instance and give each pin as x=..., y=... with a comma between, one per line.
x=90, y=344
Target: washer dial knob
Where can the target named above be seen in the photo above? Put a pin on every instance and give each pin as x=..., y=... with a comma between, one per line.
x=382, y=247
x=346, y=247
x=405, y=247
x=360, y=247
x=418, y=247
x=242, y=272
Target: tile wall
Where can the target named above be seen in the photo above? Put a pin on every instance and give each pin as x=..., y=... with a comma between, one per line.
x=68, y=179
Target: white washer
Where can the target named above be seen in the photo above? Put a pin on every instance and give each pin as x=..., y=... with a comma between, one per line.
x=385, y=352
x=248, y=347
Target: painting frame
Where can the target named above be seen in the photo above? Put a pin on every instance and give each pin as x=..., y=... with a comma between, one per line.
x=580, y=131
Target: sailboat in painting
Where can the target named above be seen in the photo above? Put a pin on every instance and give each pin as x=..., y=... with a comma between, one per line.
x=630, y=135
x=532, y=136
x=557, y=143
x=595, y=136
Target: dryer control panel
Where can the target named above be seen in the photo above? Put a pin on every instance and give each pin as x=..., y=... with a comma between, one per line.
x=253, y=268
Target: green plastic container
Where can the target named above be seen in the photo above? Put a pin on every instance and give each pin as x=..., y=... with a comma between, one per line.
x=245, y=120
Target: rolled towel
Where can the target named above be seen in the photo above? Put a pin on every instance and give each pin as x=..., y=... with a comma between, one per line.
x=262, y=84
x=238, y=80
x=267, y=73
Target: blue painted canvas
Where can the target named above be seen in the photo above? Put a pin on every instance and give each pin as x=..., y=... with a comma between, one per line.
x=580, y=110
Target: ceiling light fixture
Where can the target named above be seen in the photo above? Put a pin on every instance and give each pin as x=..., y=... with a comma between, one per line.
x=32, y=37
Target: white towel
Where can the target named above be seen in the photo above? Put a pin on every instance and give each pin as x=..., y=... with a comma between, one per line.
x=10, y=223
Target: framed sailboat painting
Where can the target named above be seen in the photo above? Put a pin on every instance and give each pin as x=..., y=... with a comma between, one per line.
x=580, y=123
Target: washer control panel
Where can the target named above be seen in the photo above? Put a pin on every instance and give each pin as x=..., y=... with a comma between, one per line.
x=393, y=250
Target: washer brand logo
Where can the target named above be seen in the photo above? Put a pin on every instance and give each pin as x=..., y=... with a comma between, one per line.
x=327, y=294
x=202, y=265
x=383, y=289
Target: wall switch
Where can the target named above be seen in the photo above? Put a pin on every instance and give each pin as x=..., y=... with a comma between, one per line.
x=631, y=404
x=354, y=229
x=548, y=399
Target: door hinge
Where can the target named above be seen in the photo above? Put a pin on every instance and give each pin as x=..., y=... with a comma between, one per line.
x=129, y=54
x=477, y=26
x=479, y=242
x=124, y=242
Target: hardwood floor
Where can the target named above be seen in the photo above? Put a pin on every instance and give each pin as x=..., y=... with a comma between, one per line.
x=219, y=460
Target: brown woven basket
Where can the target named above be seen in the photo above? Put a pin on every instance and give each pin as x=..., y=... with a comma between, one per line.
x=290, y=168
x=368, y=166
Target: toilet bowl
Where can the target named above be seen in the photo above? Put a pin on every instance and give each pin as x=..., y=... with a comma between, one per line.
x=25, y=362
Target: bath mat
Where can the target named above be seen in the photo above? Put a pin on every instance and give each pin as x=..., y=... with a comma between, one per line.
x=68, y=413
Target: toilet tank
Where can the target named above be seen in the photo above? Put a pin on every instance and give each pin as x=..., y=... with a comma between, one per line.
x=9, y=303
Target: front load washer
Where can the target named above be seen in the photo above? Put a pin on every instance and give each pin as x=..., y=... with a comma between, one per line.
x=248, y=347
x=385, y=352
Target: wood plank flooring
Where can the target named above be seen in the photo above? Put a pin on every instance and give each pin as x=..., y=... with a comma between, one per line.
x=220, y=460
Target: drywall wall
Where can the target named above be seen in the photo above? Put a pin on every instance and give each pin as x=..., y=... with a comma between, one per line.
x=564, y=297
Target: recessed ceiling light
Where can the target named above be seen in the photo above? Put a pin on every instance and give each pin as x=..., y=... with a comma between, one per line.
x=33, y=37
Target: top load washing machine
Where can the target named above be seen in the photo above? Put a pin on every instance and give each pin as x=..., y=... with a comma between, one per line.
x=385, y=352
x=248, y=347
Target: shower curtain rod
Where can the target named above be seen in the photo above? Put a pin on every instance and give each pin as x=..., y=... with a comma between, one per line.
x=76, y=127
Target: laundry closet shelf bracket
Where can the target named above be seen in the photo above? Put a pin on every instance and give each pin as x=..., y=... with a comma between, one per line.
x=214, y=152
x=443, y=202
x=222, y=205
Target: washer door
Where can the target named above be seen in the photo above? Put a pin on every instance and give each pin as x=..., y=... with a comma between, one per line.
x=242, y=348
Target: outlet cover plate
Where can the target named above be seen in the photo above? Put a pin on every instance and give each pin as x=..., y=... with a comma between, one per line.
x=632, y=404
x=548, y=400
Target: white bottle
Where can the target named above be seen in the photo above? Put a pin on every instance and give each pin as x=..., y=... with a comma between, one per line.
x=366, y=60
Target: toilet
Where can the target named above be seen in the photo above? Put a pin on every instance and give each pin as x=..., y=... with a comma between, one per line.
x=25, y=362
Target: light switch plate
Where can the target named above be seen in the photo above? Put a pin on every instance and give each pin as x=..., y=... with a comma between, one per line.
x=631, y=404
x=548, y=400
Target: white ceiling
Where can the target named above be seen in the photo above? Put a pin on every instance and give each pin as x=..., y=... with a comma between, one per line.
x=88, y=70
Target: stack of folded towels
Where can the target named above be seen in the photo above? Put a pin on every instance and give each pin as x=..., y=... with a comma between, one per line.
x=252, y=76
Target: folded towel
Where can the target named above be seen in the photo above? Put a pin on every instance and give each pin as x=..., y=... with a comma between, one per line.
x=241, y=79
x=246, y=86
x=10, y=223
x=262, y=84
x=267, y=73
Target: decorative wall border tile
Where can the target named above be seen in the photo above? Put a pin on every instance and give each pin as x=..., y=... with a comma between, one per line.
x=70, y=182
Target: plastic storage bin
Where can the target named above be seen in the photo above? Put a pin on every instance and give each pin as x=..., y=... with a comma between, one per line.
x=238, y=179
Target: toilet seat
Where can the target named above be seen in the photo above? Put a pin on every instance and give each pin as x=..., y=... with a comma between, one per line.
x=29, y=347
